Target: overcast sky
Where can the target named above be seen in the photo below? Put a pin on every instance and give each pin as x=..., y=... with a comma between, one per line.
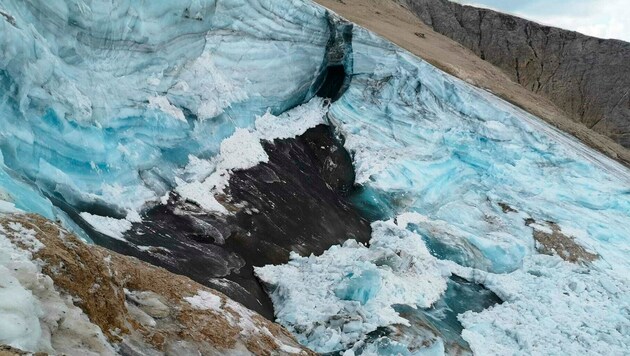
x=599, y=18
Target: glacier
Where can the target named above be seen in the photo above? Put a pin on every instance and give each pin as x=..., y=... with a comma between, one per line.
x=477, y=180
x=108, y=109
x=428, y=143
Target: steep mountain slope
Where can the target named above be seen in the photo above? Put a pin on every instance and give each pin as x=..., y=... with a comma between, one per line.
x=587, y=77
x=314, y=171
x=400, y=25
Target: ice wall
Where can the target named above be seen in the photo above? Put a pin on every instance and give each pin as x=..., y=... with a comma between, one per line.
x=103, y=105
x=458, y=157
x=101, y=102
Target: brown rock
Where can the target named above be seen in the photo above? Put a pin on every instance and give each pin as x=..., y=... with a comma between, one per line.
x=142, y=308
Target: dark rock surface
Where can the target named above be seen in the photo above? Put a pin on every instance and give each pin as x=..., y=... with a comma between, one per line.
x=587, y=77
x=295, y=202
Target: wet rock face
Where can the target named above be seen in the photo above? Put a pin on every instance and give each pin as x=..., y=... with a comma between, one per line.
x=295, y=202
x=580, y=74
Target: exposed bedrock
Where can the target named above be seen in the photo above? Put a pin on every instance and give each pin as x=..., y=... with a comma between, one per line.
x=295, y=202
x=587, y=77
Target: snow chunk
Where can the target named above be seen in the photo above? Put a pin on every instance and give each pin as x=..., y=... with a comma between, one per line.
x=242, y=150
x=161, y=103
x=109, y=226
x=332, y=301
x=293, y=122
x=205, y=301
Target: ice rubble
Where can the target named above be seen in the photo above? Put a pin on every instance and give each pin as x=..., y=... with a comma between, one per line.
x=551, y=307
x=102, y=101
x=331, y=302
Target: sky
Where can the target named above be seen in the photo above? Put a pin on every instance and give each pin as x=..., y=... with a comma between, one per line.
x=599, y=18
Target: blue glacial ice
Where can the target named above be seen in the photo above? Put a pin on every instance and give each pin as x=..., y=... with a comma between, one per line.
x=109, y=106
x=102, y=102
x=427, y=143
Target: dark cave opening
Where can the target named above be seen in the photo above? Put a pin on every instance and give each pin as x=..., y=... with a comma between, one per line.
x=335, y=78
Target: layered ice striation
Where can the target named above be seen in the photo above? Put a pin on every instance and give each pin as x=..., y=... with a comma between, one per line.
x=459, y=158
x=107, y=107
x=102, y=101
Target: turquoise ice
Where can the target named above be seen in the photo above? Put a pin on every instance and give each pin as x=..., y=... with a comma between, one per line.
x=103, y=104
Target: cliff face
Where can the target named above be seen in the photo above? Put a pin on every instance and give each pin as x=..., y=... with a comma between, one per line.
x=587, y=77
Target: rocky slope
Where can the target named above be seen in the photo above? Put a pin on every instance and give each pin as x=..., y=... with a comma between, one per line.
x=587, y=77
x=94, y=301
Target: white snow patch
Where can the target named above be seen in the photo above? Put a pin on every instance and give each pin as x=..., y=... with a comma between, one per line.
x=541, y=228
x=35, y=317
x=293, y=122
x=204, y=300
x=242, y=150
x=8, y=208
x=245, y=318
x=7, y=205
x=26, y=237
x=109, y=226
x=289, y=349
